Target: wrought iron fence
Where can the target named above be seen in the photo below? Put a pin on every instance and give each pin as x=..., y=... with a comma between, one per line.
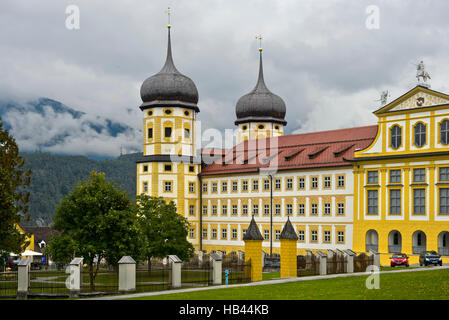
x=362, y=261
x=49, y=283
x=335, y=264
x=157, y=277
x=8, y=284
x=105, y=282
x=419, y=249
x=238, y=271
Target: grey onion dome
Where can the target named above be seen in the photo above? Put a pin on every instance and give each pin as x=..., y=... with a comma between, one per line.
x=260, y=104
x=169, y=86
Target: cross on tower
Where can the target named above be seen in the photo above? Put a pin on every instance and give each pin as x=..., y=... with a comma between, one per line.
x=259, y=37
x=168, y=12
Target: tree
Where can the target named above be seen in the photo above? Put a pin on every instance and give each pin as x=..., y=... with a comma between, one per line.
x=97, y=220
x=13, y=198
x=164, y=231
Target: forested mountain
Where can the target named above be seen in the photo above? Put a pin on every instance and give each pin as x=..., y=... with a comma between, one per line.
x=53, y=176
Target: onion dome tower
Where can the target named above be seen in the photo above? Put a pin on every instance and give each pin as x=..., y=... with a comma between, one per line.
x=169, y=164
x=260, y=113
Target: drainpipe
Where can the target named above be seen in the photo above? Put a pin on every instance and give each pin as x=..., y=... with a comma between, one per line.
x=271, y=215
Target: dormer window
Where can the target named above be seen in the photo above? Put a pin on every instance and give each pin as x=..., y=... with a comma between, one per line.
x=396, y=136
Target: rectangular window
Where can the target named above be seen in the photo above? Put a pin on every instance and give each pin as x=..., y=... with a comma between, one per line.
x=224, y=210
x=167, y=132
x=327, y=182
x=192, y=233
x=214, y=210
x=266, y=209
x=244, y=232
x=266, y=234
x=205, y=187
x=314, y=236
x=444, y=201
x=341, y=181
x=256, y=185
x=373, y=201
x=277, y=209
x=340, y=237
x=186, y=133
x=327, y=236
x=419, y=175
x=145, y=187
x=395, y=201
x=204, y=233
x=327, y=209
x=419, y=201
x=167, y=186
x=340, y=208
x=444, y=174
x=204, y=210
x=191, y=187
x=150, y=133
x=192, y=210
x=224, y=234
x=214, y=187
x=395, y=176
x=191, y=169
x=301, y=209
x=145, y=168
x=234, y=186
x=314, y=182
x=167, y=167
x=234, y=209
x=301, y=183
x=314, y=211
x=255, y=209
x=244, y=210
x=234, y=234
x=289, y=184
x=266, y=184
x=244, y=185
x=214, y=233
x=277, y=184
x=301, y=236
x=277, y=234
x=289, y=209
x=224, y=187
x=373, y=177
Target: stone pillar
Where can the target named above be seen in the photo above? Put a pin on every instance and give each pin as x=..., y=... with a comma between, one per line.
x=216, y=261
x=200, y=258
x=376, y=256
x=127, y=274
x=74, y=280
x=349, y=260
x=241, y=256
x=176, y=264
x=23, y=278
x=253, y=250
x=289, y=264
x=322, y=260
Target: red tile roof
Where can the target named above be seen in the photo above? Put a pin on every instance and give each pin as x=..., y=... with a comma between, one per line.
x=297, y=151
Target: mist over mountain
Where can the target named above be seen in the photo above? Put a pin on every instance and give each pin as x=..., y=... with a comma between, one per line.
x=50, y=126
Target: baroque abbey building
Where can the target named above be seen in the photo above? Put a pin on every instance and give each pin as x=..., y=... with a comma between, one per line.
x=383, y=187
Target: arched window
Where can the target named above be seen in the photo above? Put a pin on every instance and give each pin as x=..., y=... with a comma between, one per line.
x=444, y=132
x=396, y=136
x=420, y=134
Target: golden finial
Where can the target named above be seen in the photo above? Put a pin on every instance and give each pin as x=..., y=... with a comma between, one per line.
x=259, y=37
x=168, y=12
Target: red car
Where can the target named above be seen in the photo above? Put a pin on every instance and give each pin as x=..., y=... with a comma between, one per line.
x=399, y=259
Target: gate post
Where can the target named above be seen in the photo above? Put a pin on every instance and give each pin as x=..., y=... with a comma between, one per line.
x=241, y=257
x=289, y=265
x=216, y=268
x=23, y=278
x=376, y=256
x=349, y=257
x=74, y=280
x=253, y=250
x=126, y=274
x=322, y=263
x=176, y=264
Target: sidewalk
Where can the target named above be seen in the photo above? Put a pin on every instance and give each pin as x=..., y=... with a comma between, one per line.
x=259, y=283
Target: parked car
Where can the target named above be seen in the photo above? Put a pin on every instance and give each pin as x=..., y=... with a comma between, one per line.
x=399, y=259
x=430, y=257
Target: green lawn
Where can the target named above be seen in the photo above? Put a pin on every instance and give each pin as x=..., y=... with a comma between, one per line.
x=393, y=286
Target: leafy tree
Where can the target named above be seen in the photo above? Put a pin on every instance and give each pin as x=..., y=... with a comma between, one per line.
x=97, y=220
x=164, y=231
x=13, y=198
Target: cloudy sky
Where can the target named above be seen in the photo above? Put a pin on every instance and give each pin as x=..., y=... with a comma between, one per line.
x=319, y=56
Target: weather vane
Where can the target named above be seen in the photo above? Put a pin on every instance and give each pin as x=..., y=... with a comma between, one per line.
x=168, y=12
x=259, y=37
